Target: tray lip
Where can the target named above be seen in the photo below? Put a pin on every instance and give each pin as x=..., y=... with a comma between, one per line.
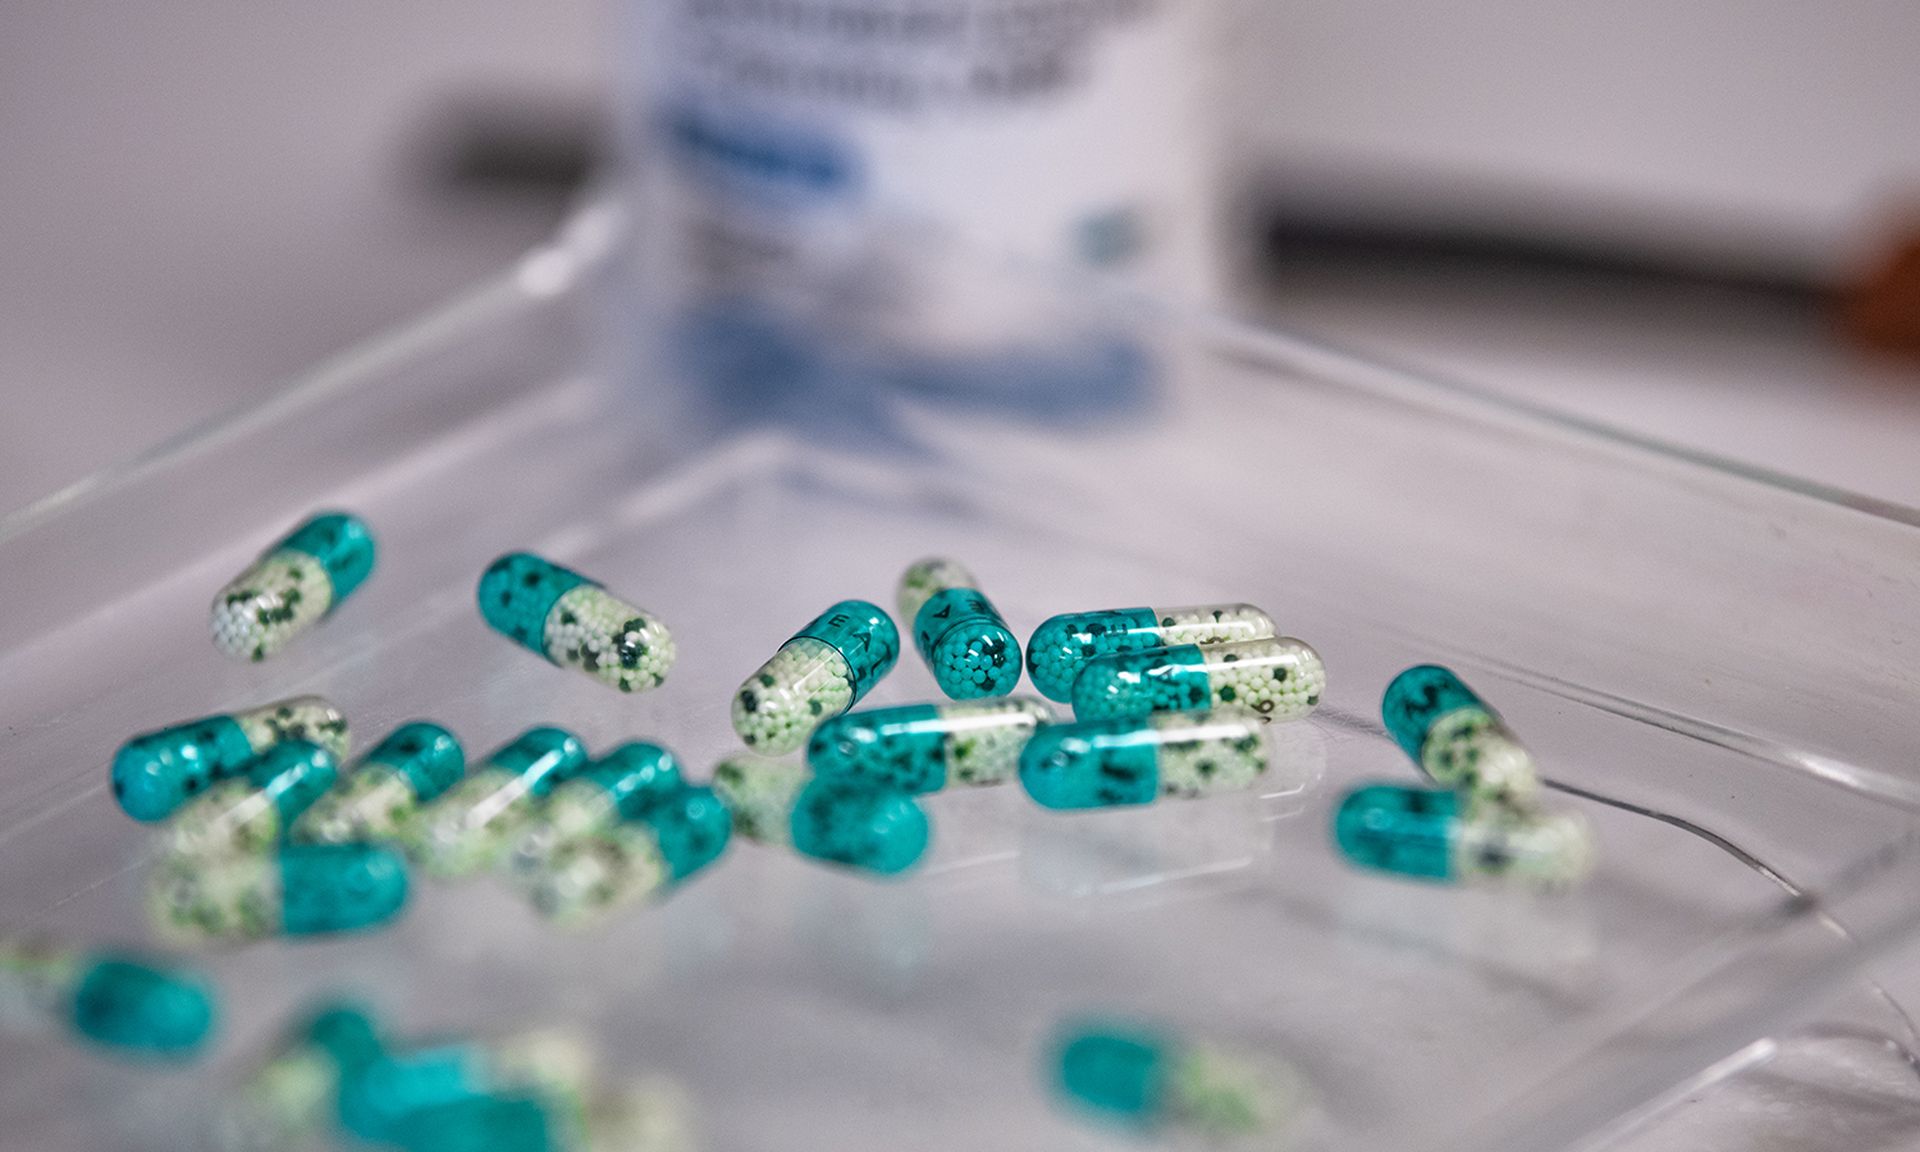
x=581, y=246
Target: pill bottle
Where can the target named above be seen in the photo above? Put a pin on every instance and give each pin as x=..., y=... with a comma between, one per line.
x=849, y=194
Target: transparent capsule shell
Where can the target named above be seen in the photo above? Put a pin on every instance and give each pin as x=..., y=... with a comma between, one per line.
x=155, y=773
x=821, y=672
x=414, y=765
x=293, y=585
x=251, y=814
x=299, y=890
x=133, y=1004
x=920, y=748
x=1063, y=644
x=1454, y=738
x=643, y=857
x=958, y=632
x=1443, y=836
x=1136, y=760
x=575, y=623
x=476, y=823
x=625, y=784
x=1278, y=678
x=776, y=802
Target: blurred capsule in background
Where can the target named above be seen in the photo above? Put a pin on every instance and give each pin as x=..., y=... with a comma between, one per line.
x=303, y=577
x=155, y=773
x=413, y=766
x=120, y=1000
x=1063, y=644
x=476, y=823
x=582, y=879
x=625, y=784
x=921, y=748
x=1455, y=738
x=1147, y=1079
x=1105, y=763
x=251, y=814
x=1444, y=836
x=297, y=890
x=821, y=672
x=1277, y=678
x=861, y=826
x=574, y=622
x=958, y=631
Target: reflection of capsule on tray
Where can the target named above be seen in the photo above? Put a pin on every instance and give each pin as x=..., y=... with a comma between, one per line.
x=155, y=773
x=412, y=767
x=1276, y=678
x=1063, y=644
x=821, y=672
x=1104, y=763
x=574, y=622
x=122, y=1001
x=958, y=631
x=922, y=748
x=1133, y=849
x=302, y=578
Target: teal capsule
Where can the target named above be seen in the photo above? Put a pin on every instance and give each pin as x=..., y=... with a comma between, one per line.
x=250, y=814
x=645, y=857
x=1063, y=644
x=380, y=797
x=1443, y=836
x=958, y=631
x=300, y=890
x=1146, y=1079
x=821, y=672
x=625, y=784
x=1455, y=738
x=121, y=1001
x=482, y=1124
x=302, y=578
x=861, y=826
x=1136, y=760
x=1277, y=678
x=477, y=822
x=575, y=623
x=921, y=748
x=154, y=774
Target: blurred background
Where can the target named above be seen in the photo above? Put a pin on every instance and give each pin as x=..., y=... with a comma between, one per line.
x=1682, y=218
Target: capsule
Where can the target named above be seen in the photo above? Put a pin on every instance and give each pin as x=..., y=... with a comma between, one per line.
x=249, y=814
x=625, y=784
x=1148, y=1080
x=1454, y=738
x=841, y=822
x=122, y=1001
x=295, y=1091
x=293, y=585
x=1134, y=760
x=921, y=748
x=380, y=797
x=575, y=623
x=1278, y=678
x=1444, y=836
x=154, y=774
x=1062, y=645
x=300, y=890
x=384, y=1098
x=823, y=671
x=584, y=878
x=477, y=822
x=958, y=631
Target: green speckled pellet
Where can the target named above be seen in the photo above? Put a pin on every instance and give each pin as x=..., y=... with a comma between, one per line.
x=1278, y=678
x=821, y=672
x=1455, y=738
x=413, y=766
x=575, y=623
x=958, y=631
x=154, y=774
x=302, y=578
x=476, y=823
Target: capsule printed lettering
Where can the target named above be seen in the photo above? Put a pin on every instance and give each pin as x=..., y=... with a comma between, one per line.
x=1445, y=837
x=1454, y=738
x=413, y=766
x=126, y=1002
x=919, y=748
x=821, y=672
x=302, y=578
x=250, y=814
x=958, y=631
x=1136, y=760
x=575, y=623
x=298, y=890
x=154, y=774
x=476, y=823
x=857, y=825
x=1063, y=644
